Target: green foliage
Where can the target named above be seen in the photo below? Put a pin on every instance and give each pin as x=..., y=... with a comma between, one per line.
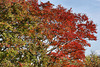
x=18, y=46
x=92, y=61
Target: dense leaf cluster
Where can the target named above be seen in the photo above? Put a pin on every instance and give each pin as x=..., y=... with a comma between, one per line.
x=28, y=30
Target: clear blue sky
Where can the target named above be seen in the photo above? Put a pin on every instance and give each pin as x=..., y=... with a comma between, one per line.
x=92, y=9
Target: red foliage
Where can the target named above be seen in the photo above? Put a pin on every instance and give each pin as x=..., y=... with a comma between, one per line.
x=66, y=30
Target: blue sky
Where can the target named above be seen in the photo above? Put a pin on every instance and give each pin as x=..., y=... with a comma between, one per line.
x=92, y=9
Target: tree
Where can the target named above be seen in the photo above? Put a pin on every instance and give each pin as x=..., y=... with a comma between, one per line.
x=18, y=46
x=92, y=60
x=28, y=29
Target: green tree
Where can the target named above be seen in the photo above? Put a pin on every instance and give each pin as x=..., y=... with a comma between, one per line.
x=92, y=60
x=18, y=45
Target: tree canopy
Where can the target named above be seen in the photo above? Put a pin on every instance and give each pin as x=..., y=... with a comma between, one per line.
x=28, y=30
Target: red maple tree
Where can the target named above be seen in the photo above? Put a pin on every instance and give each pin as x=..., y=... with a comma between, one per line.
x=66, y=32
